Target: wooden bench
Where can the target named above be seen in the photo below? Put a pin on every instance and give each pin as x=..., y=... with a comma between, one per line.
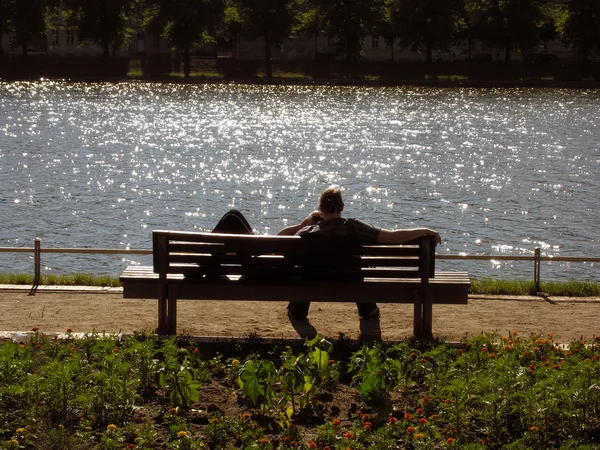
x=210, y=266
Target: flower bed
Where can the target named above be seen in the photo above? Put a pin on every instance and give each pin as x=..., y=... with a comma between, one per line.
x=106, y=392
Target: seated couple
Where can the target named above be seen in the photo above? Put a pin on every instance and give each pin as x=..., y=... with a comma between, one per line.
x=327, y=222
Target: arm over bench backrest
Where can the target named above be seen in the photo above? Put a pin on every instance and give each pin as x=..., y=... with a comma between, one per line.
x=197, y=254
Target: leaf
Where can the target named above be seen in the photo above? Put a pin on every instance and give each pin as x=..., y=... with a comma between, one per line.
x=251, y=383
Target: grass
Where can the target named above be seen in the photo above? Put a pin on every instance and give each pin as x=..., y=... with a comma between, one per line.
x=135, y=73
x=452, y=78
x=76, y=279
x=571, y=288
x=286, y=75
x=482, y=286
x=203, y=74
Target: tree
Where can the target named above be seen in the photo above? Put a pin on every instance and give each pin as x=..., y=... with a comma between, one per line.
x=388, y=26
x=232, y=23
x=348, y=21
x=24, y=20
x=104, y=22
x=4, y=11
x=426, y=24
x=273, y=20
x=185, y=23
x=512, y=23
x=470, y=21
x=579, y=25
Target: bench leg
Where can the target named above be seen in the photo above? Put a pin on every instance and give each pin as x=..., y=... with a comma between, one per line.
x=427, y=317
x=418, y=315
x=172, y=315
x=423, y=316
x=162, y=311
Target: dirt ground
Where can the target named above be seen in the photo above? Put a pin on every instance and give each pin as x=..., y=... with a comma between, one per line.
x=565, y=319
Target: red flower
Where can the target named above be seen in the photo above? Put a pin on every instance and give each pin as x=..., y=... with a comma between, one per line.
x=422, y=420
x=336, y=422
x=348, y=435
x=419, y=411
x=407, y=416
x=450, y=441
x=410, y=430
x=392, y=420
x=312, y=444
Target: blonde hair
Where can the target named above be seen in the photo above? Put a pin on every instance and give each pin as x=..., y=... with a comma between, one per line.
x=330, y=201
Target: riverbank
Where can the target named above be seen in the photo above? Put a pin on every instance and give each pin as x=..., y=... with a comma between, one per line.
x=54, y=309
x=318, y=73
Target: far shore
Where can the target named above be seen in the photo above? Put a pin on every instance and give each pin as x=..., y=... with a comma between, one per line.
x=168, y=69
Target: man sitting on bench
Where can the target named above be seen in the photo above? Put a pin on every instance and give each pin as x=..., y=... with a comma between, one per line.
x=335, y=228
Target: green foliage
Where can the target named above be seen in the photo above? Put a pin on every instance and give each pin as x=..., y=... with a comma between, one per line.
x=104, y=22
x=505, y=391
x=257, y=379
x=512, y=24
x=180, y=380
x=185, y=23
x=272, y=20
x=426, y=24
x=579, y=25
x=25, y=20
x=347, y=21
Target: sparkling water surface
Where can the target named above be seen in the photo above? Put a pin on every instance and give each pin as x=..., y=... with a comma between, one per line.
x=495, y=171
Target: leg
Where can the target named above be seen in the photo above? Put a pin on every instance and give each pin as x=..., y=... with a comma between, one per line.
x=368, y=310
x=298, y=310
x=233, y=222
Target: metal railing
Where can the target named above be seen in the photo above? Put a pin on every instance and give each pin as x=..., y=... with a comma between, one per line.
x=537, y=257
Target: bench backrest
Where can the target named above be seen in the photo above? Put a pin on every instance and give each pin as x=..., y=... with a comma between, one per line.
x=284, y=257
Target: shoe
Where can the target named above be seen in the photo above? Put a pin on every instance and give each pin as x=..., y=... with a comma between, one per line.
x=294, y=317
x=373, y=314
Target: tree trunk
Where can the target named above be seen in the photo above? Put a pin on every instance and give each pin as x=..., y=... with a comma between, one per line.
x=428, y=54
x=268, y=62
x=186, y=62
x=507, y=53
x=105, y=49
x=348, y=51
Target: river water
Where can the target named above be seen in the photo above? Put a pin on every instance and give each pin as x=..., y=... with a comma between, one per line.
x=495, y=171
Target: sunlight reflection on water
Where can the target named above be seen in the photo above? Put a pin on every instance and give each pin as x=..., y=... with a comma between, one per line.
x=496, y=171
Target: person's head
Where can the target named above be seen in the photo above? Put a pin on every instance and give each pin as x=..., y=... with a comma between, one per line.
x=330, y=201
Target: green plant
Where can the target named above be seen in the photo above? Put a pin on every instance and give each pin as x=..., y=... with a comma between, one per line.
x=180, y=381
x=376, y=375
x=257, y=378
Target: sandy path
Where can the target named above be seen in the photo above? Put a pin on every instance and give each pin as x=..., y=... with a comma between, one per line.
x=565, y=318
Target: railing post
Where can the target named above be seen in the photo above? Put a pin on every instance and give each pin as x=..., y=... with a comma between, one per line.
x=36, y=261
x=536, y=269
